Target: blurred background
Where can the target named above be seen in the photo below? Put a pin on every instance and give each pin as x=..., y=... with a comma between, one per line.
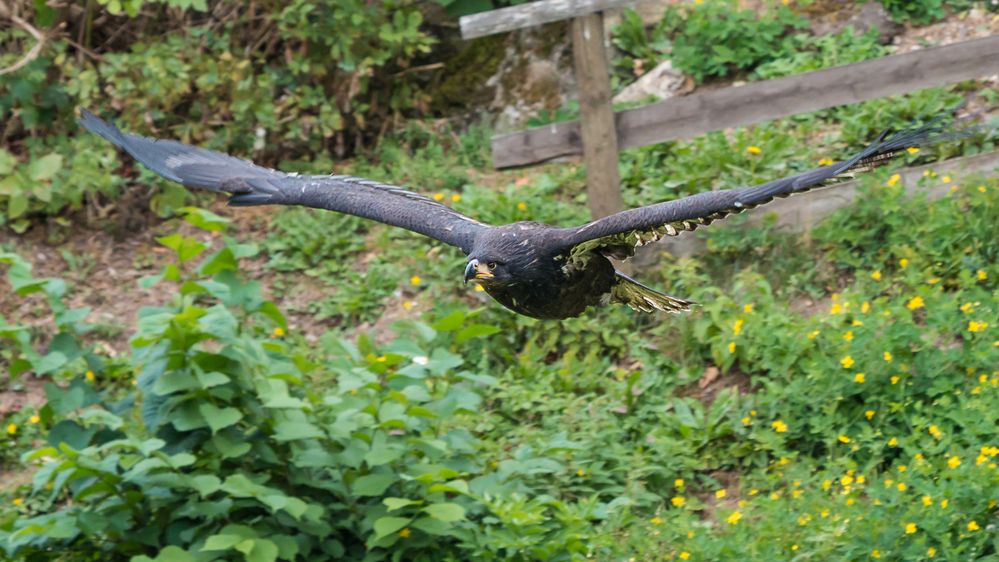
x=192, y=382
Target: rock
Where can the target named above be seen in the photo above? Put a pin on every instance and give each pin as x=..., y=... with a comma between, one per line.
x=870, y=15
x=661, y=82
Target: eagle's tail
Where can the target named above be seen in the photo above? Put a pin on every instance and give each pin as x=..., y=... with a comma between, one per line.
x=639, y=297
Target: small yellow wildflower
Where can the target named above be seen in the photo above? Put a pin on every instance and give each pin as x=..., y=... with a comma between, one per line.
x=861, y=479
x=779, y=426
x=893, y=442
x=34, y=419
x=945, y=179
x=415, y=280
x=967, y=308
x=982, y=275
x=929, y=174
x=902, y=486
x=18, y=502
x=914, y=303
x=893, y=180
x=731, y=347
x=931, y=551
x=824, y=513
x=825, y=162
x=887, y=356
x=749, y=307
x=720, y=493
x=902, y=468
x=850, y=501
x=954, y=461
x=903, y=263
x=580, y=472
x=405, y=532
x=974, y=326
x=981, y=459
x=856, y=322
x=847, y=361
x=894, y=379
x=869, y=414
x=843, y=439
x=927, y=501
x=973, y=526
x=679, y=483
x=876, y=275
x=910, y=528
x=438, y=196
x=737, y=326
x=865, y=308
x=754, y=150
x=684, y=555
x=277, y=332
x=89, y=375
x=813, y=334
x=12, y=429
x=455, y=198
x=859, y=378
x=981, y=189
x=876, y=553
x=935, y=431
x=678, y=501
x=408, y=305
x=745, y=420
x=944, y=503
x=912, y=150
x=734, y=518
x=836, y=308
x=846, y=480
x=656, y=521
x=919, y=457
x=826, y=484
x=848, y=336
x=794, y=494
x=522, y=206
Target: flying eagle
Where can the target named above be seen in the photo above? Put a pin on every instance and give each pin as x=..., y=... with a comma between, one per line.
x=532, y=268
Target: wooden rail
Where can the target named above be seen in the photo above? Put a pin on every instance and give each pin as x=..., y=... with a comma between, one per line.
x=697, y=114
x=531, y=14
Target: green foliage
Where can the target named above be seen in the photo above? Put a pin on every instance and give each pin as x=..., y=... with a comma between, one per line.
x=919, y=12
x=812, y=53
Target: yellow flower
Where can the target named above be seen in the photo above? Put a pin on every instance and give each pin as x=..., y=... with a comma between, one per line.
x=843, y=439
x=846, y=480
x=982, y=275
x=415, y=280
x=737, y=326
x=981, y=459
x=656, y=521
x=745, y=420
x=887, y=356
x=581, y=472
x=944, y=503
x=813, y=334
x=914, y=303
x=455, y=198
x=893, y=442
x=927, y=501
x=902, y=468
x=794, y=494
x=684, y=555
x=910, y=528
x=893, y=180
x=973, y=526
x=408, y=305
x=12, y=428
x=848, y=336
x=857, y=322
x=731, y=347
x=864, y=308
x=894, y=379
x=678, y=501
x=749, y=307
x=34, y=419
x=903, y=263
x=945, y=179
x=876, y=275
x=876, y=553
x=981, y=189
x=753, y=150
x=734, y=518
x=405, y=532
x=825, y=162
x=847, y=361
x=869, y=414
x=931, y=551
x=720, y=493
x=902, y=487
x=824, y=513
x=89, y=375
x=861, y=479
x=779, y=426
x=935, y=431
x=836, y=308
x=967, y=308
x=954, y=461
x=678, y=482
x=858, y=378
x=438, y=196
x=929, y=174
x=974, y=326
x=278, y=332
x=18, y=502
x=522, y=206
x=912, y=150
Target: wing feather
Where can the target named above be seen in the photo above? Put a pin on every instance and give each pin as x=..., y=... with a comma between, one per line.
x=249, y=184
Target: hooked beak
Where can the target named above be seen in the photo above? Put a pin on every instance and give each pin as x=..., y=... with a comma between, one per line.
x=475, y=270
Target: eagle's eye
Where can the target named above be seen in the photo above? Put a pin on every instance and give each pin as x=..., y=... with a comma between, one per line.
x=491, y=265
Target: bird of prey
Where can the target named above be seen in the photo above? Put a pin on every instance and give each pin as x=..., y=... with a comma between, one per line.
x=534, y=269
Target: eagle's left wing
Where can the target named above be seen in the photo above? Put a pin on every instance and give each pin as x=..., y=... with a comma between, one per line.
x=619, y=234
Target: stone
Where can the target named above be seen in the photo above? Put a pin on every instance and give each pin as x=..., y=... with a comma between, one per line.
x=661, y=82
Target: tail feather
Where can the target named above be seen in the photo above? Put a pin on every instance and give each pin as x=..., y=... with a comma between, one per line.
x=645, y=299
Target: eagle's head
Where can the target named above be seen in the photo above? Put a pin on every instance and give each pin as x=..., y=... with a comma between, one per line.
x=505, y=256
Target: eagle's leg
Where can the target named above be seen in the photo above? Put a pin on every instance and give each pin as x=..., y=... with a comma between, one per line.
x=639, y=297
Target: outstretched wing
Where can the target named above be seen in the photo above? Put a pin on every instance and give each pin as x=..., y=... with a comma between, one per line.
x=249, y=184
x=619, y=234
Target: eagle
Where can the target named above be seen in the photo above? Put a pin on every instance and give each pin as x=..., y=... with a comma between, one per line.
x=531, y=268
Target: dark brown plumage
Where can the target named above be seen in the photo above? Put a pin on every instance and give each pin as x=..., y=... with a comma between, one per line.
x=531, y=268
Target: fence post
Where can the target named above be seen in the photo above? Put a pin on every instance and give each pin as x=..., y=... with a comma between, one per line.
x=599, y=137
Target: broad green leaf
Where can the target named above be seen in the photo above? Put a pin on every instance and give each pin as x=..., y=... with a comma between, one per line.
x=385, y=526
x=17, y=204
x=447, y=512
x=205, y=484
x=7, y=162
x=373, y=484
x=475, y=331
x=44, y=168
x=219, y=418
x=292, y=431
x=398, y=503
x=222, y=542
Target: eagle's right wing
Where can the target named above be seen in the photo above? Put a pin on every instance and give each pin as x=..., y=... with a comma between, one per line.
x=249, y=184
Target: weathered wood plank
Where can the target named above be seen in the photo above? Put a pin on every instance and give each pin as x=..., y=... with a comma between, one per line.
x=697, y=114
x=531, y=14
x=799, y=213
x=596, y=115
